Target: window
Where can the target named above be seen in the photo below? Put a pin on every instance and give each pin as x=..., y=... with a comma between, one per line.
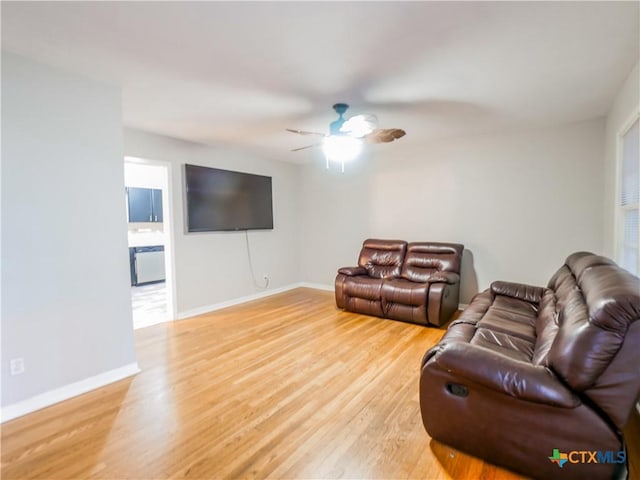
x=628, y=201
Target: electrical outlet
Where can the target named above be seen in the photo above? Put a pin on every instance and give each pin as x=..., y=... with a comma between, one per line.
x=17, y=366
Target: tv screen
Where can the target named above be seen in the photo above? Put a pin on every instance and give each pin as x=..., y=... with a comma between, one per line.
x=219, y=200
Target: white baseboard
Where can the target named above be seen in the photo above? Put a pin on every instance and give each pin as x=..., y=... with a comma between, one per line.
x=317, y=286
x=247, y=298
x=57, y=395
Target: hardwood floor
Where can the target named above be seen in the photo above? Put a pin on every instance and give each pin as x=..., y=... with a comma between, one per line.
x=284, y=387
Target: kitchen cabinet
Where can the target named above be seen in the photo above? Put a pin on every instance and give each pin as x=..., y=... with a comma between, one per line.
x=145, y=204
x=156, y=200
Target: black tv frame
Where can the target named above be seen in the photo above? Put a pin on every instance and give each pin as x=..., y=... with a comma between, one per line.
x=239, y=183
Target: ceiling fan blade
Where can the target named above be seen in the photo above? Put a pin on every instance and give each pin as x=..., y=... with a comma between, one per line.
x=303, y=148
x=384, y=135
x=304, y=132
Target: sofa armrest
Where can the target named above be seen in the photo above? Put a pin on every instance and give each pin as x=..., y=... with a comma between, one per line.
x=528, y=293
x=490, y=369
x=352, y=271
x=444, y=277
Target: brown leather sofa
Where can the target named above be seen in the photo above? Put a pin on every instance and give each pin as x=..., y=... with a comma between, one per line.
x=415, y=282
x=530, y=377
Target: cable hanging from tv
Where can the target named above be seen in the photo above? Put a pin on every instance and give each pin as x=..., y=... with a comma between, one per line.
x=253, y=275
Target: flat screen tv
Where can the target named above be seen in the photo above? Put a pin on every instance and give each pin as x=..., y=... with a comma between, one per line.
x=222, y=200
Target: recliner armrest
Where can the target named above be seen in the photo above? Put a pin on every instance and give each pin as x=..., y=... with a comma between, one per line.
x=528, y=293
x=444, y=277
x=352, y=271
x=490, y=369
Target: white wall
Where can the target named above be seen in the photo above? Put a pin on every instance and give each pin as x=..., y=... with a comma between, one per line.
x=65, y=280
x=519, y=202
x=144, y=176
x=336, y=216
x=625, y=105
x=213, y=267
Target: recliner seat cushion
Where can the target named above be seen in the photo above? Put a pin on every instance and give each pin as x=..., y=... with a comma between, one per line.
x=405, y=300
x=503, y=343
x=511, y=316
x=493, y=326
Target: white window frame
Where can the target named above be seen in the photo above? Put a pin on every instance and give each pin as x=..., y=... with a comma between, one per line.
x=620, y=209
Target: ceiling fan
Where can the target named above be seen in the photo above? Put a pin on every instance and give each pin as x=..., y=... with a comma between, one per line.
x=346, y=136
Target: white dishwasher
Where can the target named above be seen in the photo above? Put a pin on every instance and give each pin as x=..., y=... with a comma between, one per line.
x=148, y=264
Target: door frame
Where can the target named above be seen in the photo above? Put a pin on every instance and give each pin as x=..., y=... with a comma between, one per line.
x=168, y=222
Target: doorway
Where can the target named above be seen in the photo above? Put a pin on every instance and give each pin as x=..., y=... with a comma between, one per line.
x=149, y=236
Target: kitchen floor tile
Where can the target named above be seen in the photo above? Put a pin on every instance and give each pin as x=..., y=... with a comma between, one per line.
x=149, y=304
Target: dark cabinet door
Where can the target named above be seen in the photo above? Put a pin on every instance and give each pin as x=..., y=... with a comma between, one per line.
x=157, y=205
x=140, y=204
x=145, y=204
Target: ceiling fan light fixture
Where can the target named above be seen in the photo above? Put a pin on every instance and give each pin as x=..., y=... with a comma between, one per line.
x=341, y=148
x=346, y=136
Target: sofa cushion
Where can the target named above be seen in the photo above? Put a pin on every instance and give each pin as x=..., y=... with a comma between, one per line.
x=382, y=258
x=503, y=343
x=520, y=291
x=363, y=287
x=579, y=262
x=565, y=279
x=403, y=291
x=424, y=258
x=511, y=316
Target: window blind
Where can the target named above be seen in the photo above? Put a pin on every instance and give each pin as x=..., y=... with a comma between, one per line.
x=629, y=201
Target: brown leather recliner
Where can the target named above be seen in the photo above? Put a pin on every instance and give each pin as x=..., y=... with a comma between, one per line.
x=416, y=282
x=541, y=380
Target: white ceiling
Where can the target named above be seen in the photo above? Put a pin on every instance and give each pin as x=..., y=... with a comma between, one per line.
x=238, y=73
